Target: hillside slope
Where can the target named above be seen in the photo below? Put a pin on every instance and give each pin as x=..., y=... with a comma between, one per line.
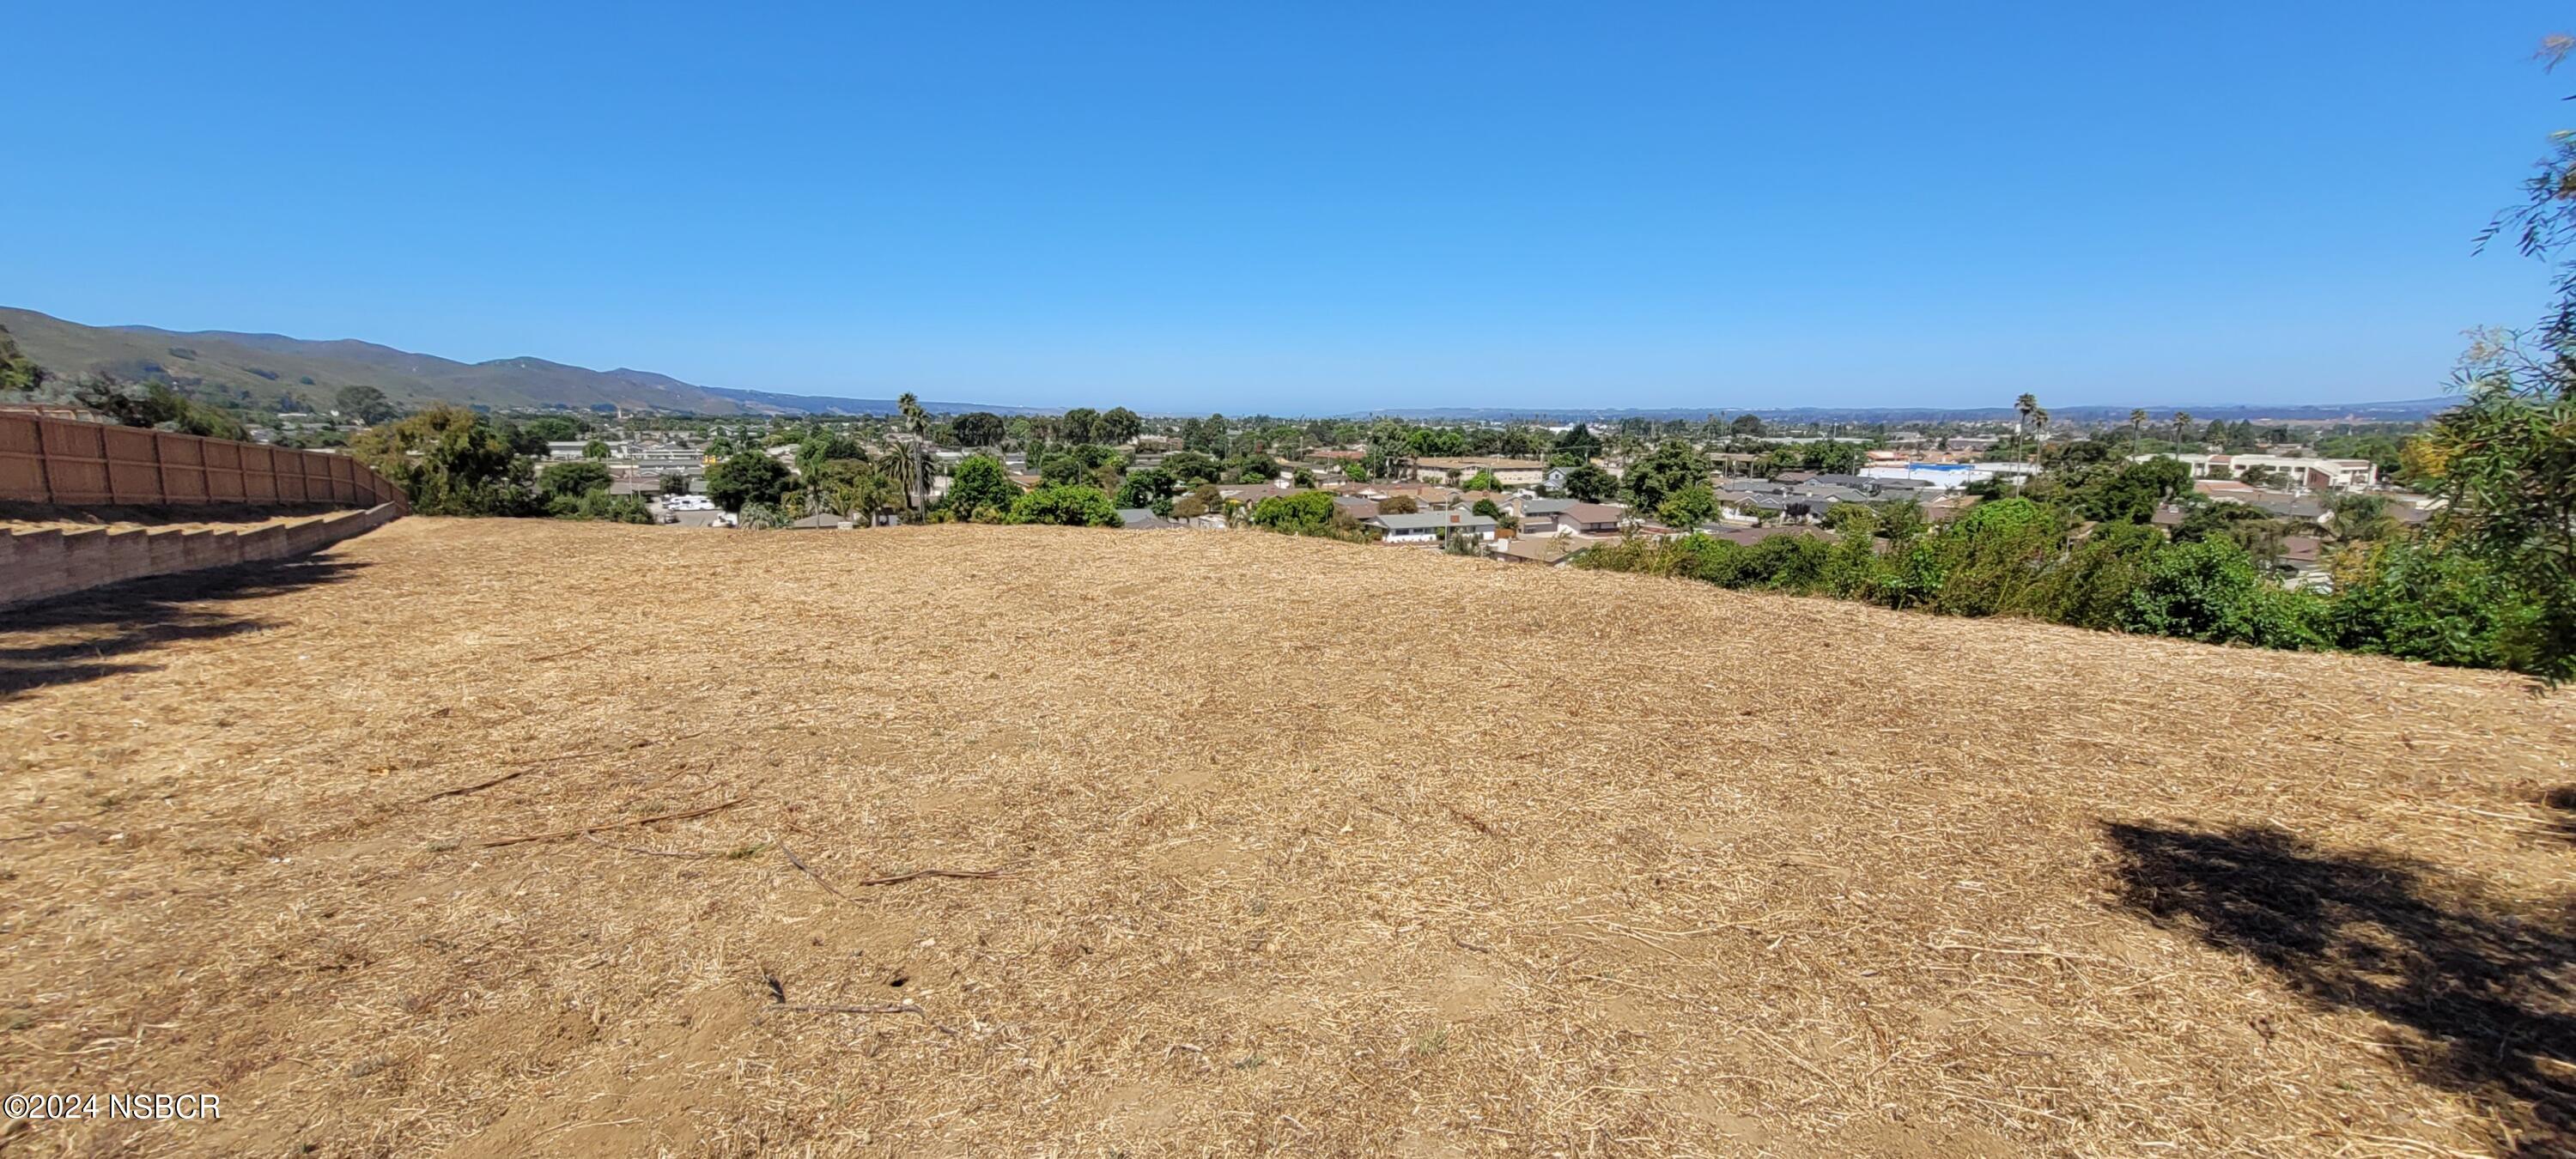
x=266, y=366
x=1301, y=845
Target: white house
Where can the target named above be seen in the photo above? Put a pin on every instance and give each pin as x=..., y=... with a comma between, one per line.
x=1432, y=526
x=2298, y=472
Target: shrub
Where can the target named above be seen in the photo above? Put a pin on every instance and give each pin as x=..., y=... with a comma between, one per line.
x=1067, y=506
x=2211, y=591
x=2419, y=602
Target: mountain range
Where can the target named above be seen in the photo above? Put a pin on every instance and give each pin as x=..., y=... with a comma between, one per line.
x=266, y=368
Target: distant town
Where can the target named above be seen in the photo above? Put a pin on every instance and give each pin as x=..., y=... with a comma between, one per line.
x=1523, y=492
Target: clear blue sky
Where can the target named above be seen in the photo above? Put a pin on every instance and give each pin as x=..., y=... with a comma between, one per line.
x=1304, y=208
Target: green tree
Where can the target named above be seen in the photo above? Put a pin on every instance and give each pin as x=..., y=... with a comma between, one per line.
x=2415, y=600
x=1989, y=559
x=1590, y=484
x=154, y=404
x=978, y=482
x=2131, y=492
x=448, y=461
x=977, y=429
x=1833, y=457
x=1151, y=487
x=1482, y=481
x=543, y=428
x=1117, y=426
x=746, y=478
x=1304, y=513
x=2505, y=458
x=365, y=404
x=1191, y=467
x=594, y=449
x=2211, y=591
x=820, y=447
x=1689, y=507
x=1575, y=447
x=1068, y=506
x=1078, y=423
x=17, y=371
x=2352, y=517
x=2090, y=588
x=572, y=480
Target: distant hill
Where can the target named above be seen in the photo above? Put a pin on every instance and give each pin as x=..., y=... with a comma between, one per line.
x=762, y=400
x=263, y=368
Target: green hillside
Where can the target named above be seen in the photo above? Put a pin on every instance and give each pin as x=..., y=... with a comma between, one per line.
x=263, y=368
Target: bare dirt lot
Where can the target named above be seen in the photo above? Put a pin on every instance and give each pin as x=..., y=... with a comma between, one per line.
x=1301, y=846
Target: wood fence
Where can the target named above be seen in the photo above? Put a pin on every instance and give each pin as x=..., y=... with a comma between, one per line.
x=57, y=461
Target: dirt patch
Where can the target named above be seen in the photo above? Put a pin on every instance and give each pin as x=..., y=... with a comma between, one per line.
x=1303, y=845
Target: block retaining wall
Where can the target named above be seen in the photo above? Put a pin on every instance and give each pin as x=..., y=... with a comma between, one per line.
x=36, y=565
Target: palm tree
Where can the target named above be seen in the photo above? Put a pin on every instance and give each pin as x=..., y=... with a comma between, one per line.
x=2137, y=429
x=915, y=452
x=2182, y=427
x=872, y=494
x=2039, y=428
x=2022, y=408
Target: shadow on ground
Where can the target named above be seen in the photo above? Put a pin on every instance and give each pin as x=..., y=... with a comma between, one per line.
x=2481, y=984
x=88, y=635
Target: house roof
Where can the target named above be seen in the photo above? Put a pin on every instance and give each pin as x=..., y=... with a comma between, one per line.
x=1474, y=463
x=1540, y=548
x=1432, y=520
x=1142, y=518
x=1594, y=512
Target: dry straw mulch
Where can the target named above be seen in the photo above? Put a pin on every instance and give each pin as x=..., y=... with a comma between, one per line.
x=976, y=840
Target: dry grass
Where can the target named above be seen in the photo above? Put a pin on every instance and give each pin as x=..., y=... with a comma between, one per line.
x=1304, y=846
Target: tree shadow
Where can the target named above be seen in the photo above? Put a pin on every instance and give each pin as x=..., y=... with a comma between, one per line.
x=85, y=636
x=2481, y=982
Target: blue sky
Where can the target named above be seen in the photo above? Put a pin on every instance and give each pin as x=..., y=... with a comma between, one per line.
x=1305, y=208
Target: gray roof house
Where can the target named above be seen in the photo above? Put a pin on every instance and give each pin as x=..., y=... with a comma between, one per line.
x=1431, y=526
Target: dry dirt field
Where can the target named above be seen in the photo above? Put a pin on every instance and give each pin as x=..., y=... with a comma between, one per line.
x=1297, y=847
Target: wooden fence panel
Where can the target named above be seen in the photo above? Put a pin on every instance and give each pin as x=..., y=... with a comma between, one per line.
x=59, y=461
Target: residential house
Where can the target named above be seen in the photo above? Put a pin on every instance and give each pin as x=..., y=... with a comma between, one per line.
x=1433, y=526
x=1569, y=517
x=1142, y=519
x=1542, y=550
x=1508, y=472
x=2299, y=473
